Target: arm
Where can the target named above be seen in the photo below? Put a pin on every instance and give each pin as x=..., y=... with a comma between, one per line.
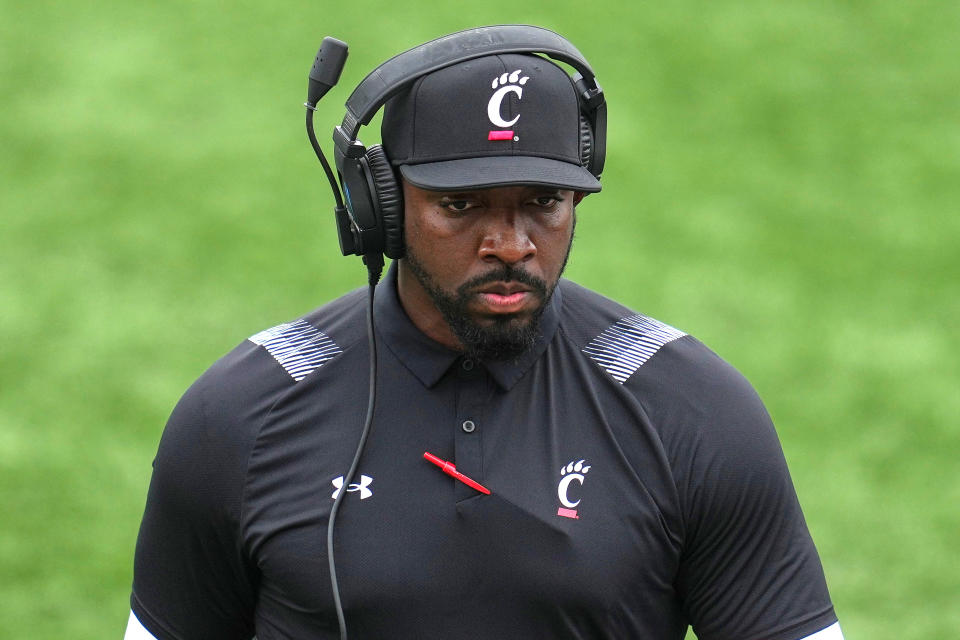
x=749, y=568
x=191, y=579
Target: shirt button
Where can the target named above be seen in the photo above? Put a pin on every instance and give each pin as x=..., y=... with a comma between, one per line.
x=467, y=365
x=468, y=426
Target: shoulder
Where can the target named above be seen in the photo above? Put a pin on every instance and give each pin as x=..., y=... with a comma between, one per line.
x=274, y=359
x=638, y=351
x=690, y=394
x=218, y=417
x=301, y=346
x=716, y=434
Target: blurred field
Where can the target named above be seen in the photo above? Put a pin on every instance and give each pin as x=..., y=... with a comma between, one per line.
x=783, y=181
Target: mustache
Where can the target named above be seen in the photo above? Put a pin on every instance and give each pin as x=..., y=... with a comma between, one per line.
x=506, y=273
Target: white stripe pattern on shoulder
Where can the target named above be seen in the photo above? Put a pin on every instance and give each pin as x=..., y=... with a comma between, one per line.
x=298, y=346
x=628, y=344
x=136, y=631
x=830, y=633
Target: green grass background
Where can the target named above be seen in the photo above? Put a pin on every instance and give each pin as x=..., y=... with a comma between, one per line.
x=783, y=181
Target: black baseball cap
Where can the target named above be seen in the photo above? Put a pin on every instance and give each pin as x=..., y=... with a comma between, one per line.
x=495, y=121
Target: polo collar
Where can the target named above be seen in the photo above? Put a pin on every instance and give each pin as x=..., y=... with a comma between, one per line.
x=429, y=360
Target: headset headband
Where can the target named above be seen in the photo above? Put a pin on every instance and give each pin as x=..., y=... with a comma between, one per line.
x=399, y=71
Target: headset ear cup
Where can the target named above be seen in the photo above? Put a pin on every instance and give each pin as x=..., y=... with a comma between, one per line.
x=586, y=142
x=390, y=200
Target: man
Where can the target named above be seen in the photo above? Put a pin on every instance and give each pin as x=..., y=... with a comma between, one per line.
x=614, y=478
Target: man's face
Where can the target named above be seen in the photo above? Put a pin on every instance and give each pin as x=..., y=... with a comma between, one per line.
x=481, y=265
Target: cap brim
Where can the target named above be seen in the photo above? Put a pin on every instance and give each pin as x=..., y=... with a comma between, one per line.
x=499, y=171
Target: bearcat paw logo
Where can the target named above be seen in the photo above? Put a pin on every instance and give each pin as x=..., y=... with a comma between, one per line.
x=512, y=78
x=578, y=466
x=575, y=471
x=507, y=83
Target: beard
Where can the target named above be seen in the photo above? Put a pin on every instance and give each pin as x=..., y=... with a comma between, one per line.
x=505, y=337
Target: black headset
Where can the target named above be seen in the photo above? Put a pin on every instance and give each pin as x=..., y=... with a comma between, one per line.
x=372, y=220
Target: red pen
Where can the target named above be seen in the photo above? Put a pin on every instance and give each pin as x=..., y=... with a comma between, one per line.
x=451, y=470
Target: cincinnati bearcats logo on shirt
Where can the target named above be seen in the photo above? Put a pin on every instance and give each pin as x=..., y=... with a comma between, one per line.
x=572, y=473
x=363, y=487
x=504, y=84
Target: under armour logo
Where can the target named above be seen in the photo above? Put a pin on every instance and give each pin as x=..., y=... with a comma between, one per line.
x=363, y=487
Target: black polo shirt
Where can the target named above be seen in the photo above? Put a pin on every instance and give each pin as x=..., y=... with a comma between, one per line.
x=637, y=485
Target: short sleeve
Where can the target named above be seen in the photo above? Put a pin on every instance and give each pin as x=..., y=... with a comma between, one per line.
x=749, y=569
x=191, y=579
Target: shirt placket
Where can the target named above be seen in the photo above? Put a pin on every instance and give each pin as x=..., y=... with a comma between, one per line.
x=472, y=390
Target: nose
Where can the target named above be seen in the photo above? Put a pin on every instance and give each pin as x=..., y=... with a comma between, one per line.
x=506, y=239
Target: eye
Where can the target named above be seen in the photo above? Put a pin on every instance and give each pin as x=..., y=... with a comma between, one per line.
x=457, y=205
x=547, y=201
